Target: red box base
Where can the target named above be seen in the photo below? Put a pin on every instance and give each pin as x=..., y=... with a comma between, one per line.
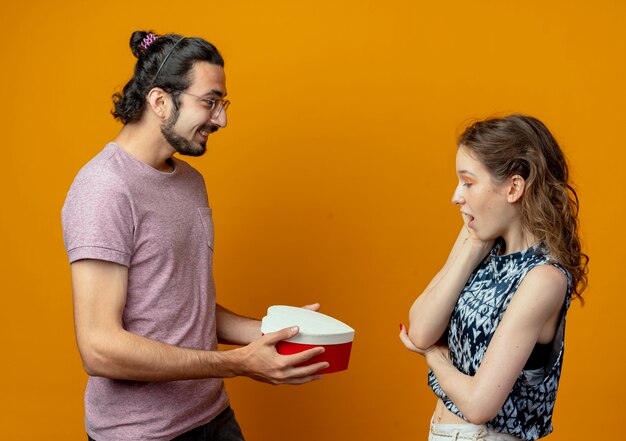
x=338, y=356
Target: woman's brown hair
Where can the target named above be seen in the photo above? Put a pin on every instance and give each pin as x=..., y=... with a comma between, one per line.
x=522, y=145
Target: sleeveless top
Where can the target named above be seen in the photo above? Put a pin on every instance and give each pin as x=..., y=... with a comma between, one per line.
x=527, y=411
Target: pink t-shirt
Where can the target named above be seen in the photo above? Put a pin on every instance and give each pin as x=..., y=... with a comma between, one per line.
x=159, y=225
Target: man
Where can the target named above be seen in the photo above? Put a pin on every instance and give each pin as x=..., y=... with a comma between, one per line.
x=139, y=235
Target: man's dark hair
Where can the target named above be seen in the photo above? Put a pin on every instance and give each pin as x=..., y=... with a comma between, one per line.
x=163, y=61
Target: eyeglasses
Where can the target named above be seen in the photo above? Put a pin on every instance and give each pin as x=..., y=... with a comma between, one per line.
x=215, y=105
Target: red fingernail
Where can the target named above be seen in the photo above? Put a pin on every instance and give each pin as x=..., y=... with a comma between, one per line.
x=400, y=326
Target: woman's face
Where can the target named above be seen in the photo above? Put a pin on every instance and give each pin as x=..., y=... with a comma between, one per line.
x=483, y=202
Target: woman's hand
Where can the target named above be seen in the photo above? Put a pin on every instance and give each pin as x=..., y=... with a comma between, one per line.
x=406, y=341
x=476, y=248
x=430, y=314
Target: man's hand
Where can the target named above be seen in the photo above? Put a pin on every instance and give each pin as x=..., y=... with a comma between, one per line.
x=260, y=360
x=312, y=307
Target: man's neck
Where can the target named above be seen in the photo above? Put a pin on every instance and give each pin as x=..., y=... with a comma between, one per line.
x=147, y=145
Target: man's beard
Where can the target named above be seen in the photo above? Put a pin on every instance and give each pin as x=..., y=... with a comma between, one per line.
x=178, y=143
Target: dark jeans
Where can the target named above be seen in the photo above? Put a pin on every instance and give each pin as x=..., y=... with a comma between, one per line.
x=223, y=427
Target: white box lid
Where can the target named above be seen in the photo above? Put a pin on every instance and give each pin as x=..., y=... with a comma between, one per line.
x=315, y=328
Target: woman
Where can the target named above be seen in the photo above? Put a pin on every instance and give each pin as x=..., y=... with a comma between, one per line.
x=490, y=324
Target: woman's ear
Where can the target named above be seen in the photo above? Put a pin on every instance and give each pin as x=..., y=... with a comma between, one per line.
x=517, y=185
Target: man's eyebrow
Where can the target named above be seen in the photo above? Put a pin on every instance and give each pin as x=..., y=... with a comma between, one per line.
x=215, y=92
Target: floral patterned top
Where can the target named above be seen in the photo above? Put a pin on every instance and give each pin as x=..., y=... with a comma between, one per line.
x=527, y=411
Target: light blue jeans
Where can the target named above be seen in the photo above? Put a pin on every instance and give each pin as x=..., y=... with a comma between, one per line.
x=462, y=432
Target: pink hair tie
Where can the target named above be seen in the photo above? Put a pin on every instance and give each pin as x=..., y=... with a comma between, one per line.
x=148, y=40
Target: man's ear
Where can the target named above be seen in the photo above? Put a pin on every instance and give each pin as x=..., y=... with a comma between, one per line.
x=517, y=185
x=158, y=101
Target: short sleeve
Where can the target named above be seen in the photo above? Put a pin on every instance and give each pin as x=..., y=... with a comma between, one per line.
x=98, y=221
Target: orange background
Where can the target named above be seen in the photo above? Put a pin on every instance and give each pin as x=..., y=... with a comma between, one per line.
x=332, y=184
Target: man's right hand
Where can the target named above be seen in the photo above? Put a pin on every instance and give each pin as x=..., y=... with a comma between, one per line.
x=261, y=361
x=108, y=350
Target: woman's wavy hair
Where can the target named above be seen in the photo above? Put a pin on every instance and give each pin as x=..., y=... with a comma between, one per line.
x=163, y=61
x=522, y=145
